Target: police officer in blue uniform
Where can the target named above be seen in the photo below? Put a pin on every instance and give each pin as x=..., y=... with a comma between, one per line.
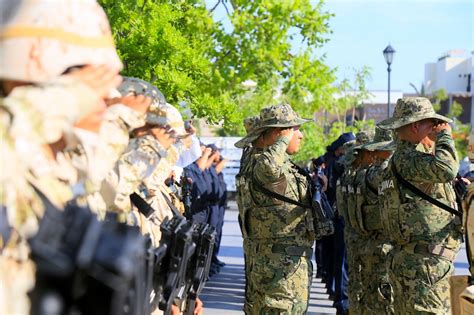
x=200, y=187
x=337, y=274
x=212, y=180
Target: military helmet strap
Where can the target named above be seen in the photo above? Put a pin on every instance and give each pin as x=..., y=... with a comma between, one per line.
x=421, y=194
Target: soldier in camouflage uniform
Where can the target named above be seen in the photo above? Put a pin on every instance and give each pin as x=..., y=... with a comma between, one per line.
x=251, y=125
x=100, y=145
x=280, y=234
x=147, y=147
x=372, y=248
x=426, y=238
x=345, y=203
x=39, y=108
x=462, y=287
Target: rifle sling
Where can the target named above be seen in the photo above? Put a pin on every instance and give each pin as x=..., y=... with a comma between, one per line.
x=423, y=195
x=283, y=198
x=137, y=199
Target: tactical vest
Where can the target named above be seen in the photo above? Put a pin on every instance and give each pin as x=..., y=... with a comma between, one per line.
x=356, y=200
x=408, y=218
x=369, y=207
x=342, y=193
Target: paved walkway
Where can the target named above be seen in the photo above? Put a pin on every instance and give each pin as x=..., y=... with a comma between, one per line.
x=224, y=293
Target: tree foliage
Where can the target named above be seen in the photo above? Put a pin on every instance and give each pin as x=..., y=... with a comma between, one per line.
x=260, y=47
x=169, y=43
x=460, y=130
x=263, y=52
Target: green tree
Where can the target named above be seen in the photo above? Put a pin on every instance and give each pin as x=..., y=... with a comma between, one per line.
x=260, y=45
x=169, y=43
x=460, y=130
x=191, y=56
x=421, y=91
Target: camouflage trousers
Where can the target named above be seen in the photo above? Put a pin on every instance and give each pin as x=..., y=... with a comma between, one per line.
x=276, y=283
x=354, y=287
x=421, y=283
x=377, y=294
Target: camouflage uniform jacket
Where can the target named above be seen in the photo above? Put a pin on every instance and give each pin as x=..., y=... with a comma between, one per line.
x=369, y=203
x=244, y=199
x=32, y=116
x=135, y=165
x=407, y=217
x=95, y=155
x=271, y=219
x=468, y=207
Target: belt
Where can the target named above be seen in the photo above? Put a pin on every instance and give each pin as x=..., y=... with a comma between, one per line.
x=303, y=251
x=431, y=249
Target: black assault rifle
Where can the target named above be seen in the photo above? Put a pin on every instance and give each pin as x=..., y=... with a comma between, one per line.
x=198, y=269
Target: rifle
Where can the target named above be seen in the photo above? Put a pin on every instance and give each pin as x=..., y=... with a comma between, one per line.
x=115, y=263
x=86, y=266
x=54, y=250
x=204, y=236
x=186, y=194
x=321, y=209
x=176, y=232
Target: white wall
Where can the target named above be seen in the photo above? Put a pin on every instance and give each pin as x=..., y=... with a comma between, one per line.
x=449, y=73
x=229, y=152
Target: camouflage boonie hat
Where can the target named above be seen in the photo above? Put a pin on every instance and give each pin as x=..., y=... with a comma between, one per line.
x=281, y=115
x=383, y=141
x=140, y=87
x=362, y=137
x=252, y=125
x=409, y=110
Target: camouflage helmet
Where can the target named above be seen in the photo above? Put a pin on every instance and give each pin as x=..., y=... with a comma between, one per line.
x=281, y=115
x=470, y=146
x=136, y=86
x=167, y=115
x=252, y=126
x=409, y=110
x=383, y=141
x=44, y=38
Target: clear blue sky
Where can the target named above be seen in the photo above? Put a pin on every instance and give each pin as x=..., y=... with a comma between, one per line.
x=419, y=30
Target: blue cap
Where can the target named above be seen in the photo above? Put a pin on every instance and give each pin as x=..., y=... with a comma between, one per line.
x=344, y=138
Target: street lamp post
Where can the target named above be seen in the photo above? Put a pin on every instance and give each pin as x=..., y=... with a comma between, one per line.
x=388, y=53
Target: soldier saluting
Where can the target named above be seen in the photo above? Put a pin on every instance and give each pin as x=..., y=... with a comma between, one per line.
x=279, y=234
x=415, y=192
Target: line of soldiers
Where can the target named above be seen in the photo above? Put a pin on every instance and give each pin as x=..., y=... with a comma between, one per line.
x=398, y=207
x=95, y=217
x=401, y=204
